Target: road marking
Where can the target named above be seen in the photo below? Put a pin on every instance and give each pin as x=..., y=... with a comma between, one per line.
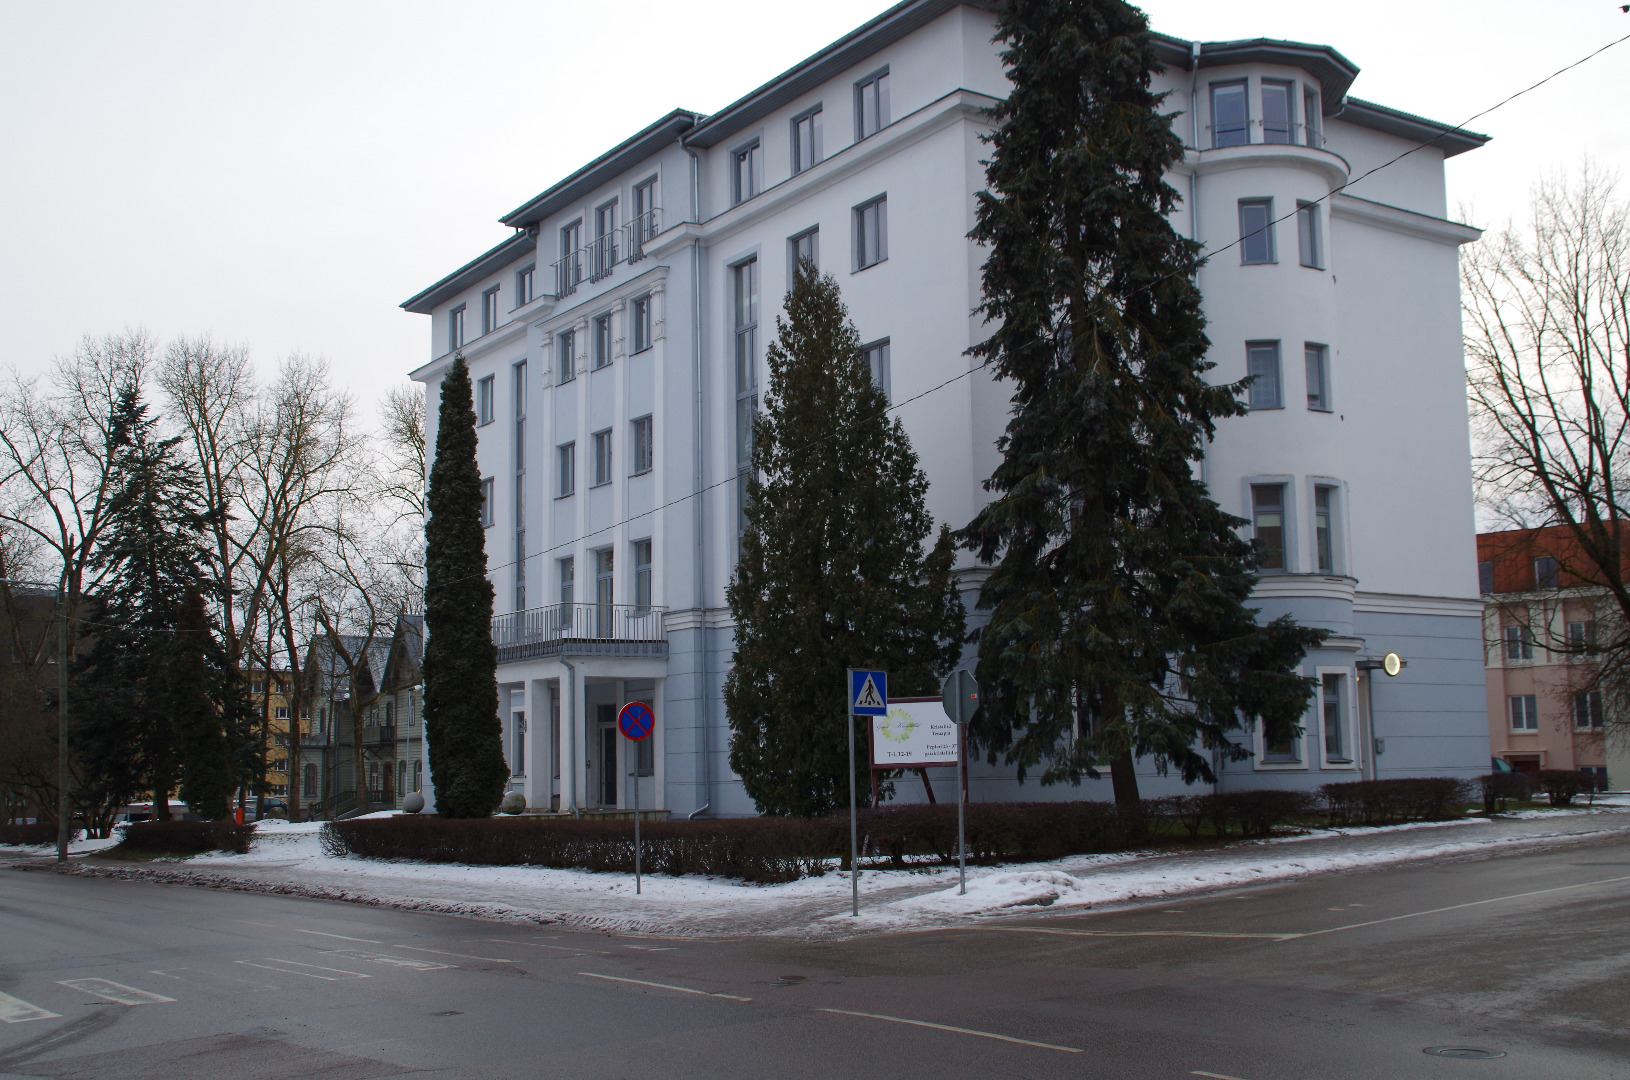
x=1457, y=907
x=342, y=937
x=664, y=986
x=652, y=948
x=1214, y=1076
x=395, y=961
x=17, y=1011
x=336, y=977
x=1133, y=933
x=464, y=956
x=958, y=1030
x=118, y=993
x=558, y=948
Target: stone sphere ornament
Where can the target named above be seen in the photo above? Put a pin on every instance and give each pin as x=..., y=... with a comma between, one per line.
x=513, y=803
x=412, y=803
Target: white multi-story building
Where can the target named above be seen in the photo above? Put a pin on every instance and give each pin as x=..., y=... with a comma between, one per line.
x=617, y=339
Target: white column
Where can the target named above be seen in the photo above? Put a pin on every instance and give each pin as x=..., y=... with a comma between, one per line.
x=572, y=710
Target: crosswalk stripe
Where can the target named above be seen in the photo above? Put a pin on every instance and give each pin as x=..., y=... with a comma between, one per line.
x=17, y=1011
x=118, y=993
x=292, y=967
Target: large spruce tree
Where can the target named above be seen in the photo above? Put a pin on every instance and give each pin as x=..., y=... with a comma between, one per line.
x=460, y=667
x=206, y=733
x=1118, y=618
x=151, y=558
x=835, y=570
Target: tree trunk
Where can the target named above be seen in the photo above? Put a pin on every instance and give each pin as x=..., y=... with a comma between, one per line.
x=1123, y=774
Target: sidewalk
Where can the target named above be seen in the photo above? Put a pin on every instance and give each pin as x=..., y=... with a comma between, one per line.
x=288, y=859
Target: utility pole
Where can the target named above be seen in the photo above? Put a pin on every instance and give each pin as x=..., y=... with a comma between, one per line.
x=64, y=803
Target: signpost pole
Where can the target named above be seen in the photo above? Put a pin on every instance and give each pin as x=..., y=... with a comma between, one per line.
x=637, y=845
x=961, y=801
x=854, y=830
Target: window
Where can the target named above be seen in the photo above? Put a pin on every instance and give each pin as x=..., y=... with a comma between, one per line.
x=1311, y=117
x=455, y=328
x=744, y=299
x=1262, y=365
x=308, y=782
x=1256, y=232
x=418, y=775
x=1317, y=358
x=1276, y=111
x=1587, y=709
x=565, y=356
x=489, y=310
x=1597, y=772
x=483, y=400
x=568, y=578
x=876, y=356
x=1582, y=637
x=1230, y=116
x=566, y=458
x=1485, y=577
x=602, y=457
x=520, y=569
x=746, y=173
x=1309, y=235
x=603, y=592
x=644, y=225
x=1544, y=572
x=526, y=284
x=640, y=315
x=1519, y=642
x=1324, y=528
x=871, y=104
x=806, y=140
x=257, y=686
x=279, y=765
x=281, y=712
x=487, y=501
x=641, y=439
x=805, y=247
x=1335, y=717
x=569, y=271
x=602, y=341
x=1283, y=751
x=401, y=778
x=871, y=232
x=642, y=575
x=1524, y=712
x=1268, y=523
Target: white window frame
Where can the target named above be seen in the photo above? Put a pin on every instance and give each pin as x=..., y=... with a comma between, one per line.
x=1289, y=133
x=1337, y=525
x=489, y=309
x=1517, y=638
x=566, y=356
x=1593, y=710
x=1348, y=760
x=566, y=470
x=1211, y=110
x=488, y=499
x=526, y=285
x=642, y=441
x=601, y=441
x=1247, y=232
x=1260, y=762
x=1530, y=708
x=752, y=153
x=639, y=317
x=1256, y=396
x=1292, y=501
x=455, y=328
x=878, y=209
x=1316, y=363
x=485, y=392
x=600, y=331
x=812, y=116
x=878, y=81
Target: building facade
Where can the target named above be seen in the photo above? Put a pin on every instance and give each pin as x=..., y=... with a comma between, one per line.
x=269, y=699
x=1541, y=626
x=616, y=339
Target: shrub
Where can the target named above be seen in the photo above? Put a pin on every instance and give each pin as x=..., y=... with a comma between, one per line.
x=43, y=833
x=1561, y=785
x=1256, y=812
x=184, y=837
x=998, y=832
x=1376, y=802
x=1504, y=787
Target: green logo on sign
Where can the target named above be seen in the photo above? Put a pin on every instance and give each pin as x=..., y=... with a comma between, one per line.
x=897, y=726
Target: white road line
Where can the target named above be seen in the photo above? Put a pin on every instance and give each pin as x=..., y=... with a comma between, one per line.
x=1457, y=907
x=411, y=962
x=464, y=956
x=294, y=964
x=664, y=986
x=1132, y=933
x=342, y=937
x=652, y=948
x=539, y=945
x=1214, y=1076
x=118, y=993
x=958, y=1030
x=17, y=1011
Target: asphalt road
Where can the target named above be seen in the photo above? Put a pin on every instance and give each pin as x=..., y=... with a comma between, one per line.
x=1344, y=976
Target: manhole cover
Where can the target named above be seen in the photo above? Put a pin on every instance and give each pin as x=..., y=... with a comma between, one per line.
x=1462, y=1052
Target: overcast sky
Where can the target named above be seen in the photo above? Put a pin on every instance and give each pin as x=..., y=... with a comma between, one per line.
x=284, y=174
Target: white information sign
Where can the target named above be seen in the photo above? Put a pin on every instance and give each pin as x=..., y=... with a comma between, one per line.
x=913, y=733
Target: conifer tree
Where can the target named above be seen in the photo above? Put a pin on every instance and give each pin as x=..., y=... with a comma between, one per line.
x=460, y=666
x=1119, y=624
x=195, y=680
x=152, y=556
x=835, y=568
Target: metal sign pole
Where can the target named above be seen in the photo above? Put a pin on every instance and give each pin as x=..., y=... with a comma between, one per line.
x=961, y=800
x=854, y=830
x=637, y=845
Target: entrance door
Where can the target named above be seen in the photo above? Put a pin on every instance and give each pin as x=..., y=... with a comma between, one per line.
x=608, y=766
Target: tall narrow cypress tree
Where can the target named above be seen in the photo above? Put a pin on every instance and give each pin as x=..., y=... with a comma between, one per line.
x=1119, y=624
x=460, y=667
x=836, y=570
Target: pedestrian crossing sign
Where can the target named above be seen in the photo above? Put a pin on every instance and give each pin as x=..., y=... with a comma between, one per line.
x=868, y=692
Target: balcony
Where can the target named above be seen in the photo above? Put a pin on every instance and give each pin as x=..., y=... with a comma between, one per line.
x=314, y=738
x=384, y=735
x=600, y=256
x=581, y=629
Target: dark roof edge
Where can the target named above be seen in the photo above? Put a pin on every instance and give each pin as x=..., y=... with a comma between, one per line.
x=1446, y=137
x=639, y=145
x=471, y=272
x=1334, y=71
x=887, y=28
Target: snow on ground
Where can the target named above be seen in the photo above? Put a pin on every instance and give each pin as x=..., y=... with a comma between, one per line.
x=287, y=858
x=80, y=846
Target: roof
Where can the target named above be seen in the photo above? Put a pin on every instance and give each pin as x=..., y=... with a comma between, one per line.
x=471, y=272
x=584, y=181
x=1512, y=554
x=1446, y=137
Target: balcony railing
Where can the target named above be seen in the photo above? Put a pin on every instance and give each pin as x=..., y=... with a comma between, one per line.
x=600, y=256
x=379, y=736
x=612, y=629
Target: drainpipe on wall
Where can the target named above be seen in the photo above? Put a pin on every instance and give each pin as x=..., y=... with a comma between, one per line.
x=705, y=719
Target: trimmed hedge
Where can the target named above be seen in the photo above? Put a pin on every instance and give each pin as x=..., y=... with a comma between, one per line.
x=1561, y=785
x=184, y=837
x=1501, y=788
x=996, y=832
x=1252, y=813
x=44, y=833
x=1377, y=802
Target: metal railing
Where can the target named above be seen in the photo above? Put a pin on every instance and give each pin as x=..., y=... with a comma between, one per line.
x=379, y=736
x=600, y=256
x=548, y=628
